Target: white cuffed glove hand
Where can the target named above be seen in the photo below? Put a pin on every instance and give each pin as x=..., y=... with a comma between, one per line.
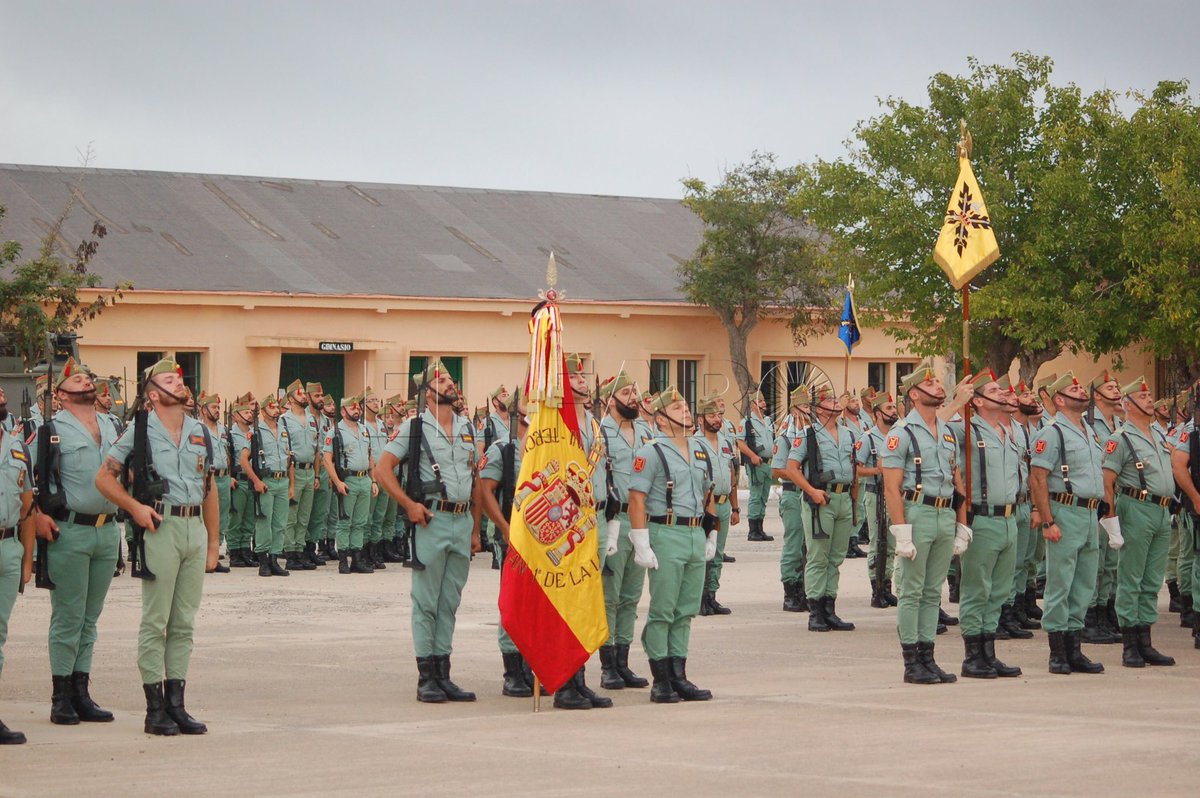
x=710, y=546
x=643, y=555
x=612, y=537
x=962, y=538
x=1112, y=526
x=904, y=542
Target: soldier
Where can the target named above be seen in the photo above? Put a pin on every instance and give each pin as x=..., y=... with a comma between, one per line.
x=791, y=506
x=494, y=428
x=356, y=484
x=1100, y=625
x=920, y=478
x=104, y=405
x=178, y=550
x=1181, y=442
x=624, y=433
x=302, y=442
x=393, y=416
x=1067, y=486
x=721, y=454
x=851, y=419
x=16, y=539
x=447, y=536
x=271, y=475
x=330, y=416
x=646, y=408
x=242, y=516
x=870, y=451
x=754, y=443
x=8, y=422
x=673, y=534
x=318, y=536
x=1023, y=597
x=988, y=563
x=1140, y=494
x=373, y=423
x=209, y=413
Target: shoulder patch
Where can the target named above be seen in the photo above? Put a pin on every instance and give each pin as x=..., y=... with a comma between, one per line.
x=700, y=454
x=1110, y=447
x=1183, y=437
x=1040, y=447
x=468, y=437
x=639, y=463
x=857, y=445
x=892, y=442
x=18, y=453
x=196, y=438
x=775, y=450
x=483, y=461
x=948, y=438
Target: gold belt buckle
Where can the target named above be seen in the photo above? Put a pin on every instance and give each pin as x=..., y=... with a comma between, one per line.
x=101, y=519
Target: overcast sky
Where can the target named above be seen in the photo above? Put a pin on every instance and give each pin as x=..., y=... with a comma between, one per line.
x=555, y=95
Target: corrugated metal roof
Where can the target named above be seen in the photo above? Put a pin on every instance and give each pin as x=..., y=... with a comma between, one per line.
x=172, y=231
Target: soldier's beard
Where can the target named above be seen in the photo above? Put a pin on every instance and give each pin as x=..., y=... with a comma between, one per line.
x=3, y=412
x=712, y=427
x=627, y=412
x=1030, y=410
x=80, y=397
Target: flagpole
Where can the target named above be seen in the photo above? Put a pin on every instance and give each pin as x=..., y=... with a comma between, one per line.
x=966, y=309
x=537, y=694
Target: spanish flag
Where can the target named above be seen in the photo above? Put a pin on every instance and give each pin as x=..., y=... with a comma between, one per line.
x=551, y=597
x=966, y=244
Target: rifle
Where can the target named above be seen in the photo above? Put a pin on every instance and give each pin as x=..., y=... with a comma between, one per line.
x=751, y=444
x=812, y=459
x=256, y=461
x=339, y=469
x=50, y=501
x=1194, y=462
x=148, y=487
x=234, y=471
x=413, y=485
x=881, y=530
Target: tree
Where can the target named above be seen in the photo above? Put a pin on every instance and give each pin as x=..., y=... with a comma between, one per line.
x=755, y=258
x=41, y=295
x=1043, y=155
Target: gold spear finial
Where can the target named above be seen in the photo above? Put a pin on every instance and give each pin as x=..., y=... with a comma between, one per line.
x=964, y=143
x=551, y=294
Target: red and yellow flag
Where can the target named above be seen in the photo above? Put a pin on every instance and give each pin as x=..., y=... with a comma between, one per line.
x=551, y=596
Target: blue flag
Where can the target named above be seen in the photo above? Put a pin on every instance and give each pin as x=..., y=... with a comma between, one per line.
x=848, y=331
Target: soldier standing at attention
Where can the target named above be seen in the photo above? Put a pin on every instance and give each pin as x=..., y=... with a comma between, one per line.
x=1181, y=459
x=182, y=539
x=870, y=453
x=16, y=539
x=495, y=429
x=1100, y=624
x=210, y=415
x=353, y=450
x=1067, y=485
x=1023, y=597
x=756, y=429
x=240, y=536
x=852, y=421
x=920, y=478
x=302, y=441
x=447, y=534
x=1140, y=493
x=673, y=535
x=104, y=404
x=791, y=506
x=318, y=537
x=271, y=475
x=722, y=454
x=373, y=423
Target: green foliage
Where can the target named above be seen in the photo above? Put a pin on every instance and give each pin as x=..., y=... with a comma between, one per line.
x=41, y=295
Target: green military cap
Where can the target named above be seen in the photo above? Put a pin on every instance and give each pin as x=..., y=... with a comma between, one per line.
x=574, y=363
x=410, y=406
x=431, y=372
x=244, y=399
x=1005, y=383
x=207, y=399
x=103, y=389
x=647, y=396
x=350, y=401
x=1181, y=401
x=866, y=394
x=1104, y=376
x=758, y=396
x=69, y=369
x=312, y=387
x=164, y=366
x=1163, y=404
x=496, y=393
x=982, y=379
x=396, y=402
x=667, y=397
x=293, y=386
x=799, y=397
x=879, y=400
x=1062, y=383
x=921, y=372
x=1137, y=386
x=615, y=383
x=708, y=405
x=1045, y=382
x=241, y=407
x=367, y=393
x=268, y=398
x=822, y=393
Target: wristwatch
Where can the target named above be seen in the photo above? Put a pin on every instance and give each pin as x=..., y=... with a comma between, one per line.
x=1047, y=524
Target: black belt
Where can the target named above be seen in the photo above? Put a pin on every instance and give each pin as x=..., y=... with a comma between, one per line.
x=623, y=507
x=220, y=472
x=1071, y=500
x=8, y=532
x=178, y=510
x=939, y=502
x=1150, y=498
x=870, y=486
x=358, y=473
x=788, y=487
x=447, y=507
x=675, y=520
x=305, y=466
x=994, y=510
x=838, y=487
x=276, y=475
x=83, y=519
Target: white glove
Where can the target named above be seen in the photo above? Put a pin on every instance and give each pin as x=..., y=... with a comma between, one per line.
x=612, y=537
x=904, y=543
x=710, y=546
x=643, y=555
x=962, y=538
x=1113, y=527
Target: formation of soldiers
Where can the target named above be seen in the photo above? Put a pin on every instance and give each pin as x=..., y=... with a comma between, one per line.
x=1081, y=494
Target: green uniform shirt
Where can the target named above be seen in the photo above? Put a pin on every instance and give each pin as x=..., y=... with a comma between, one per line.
x=781, y=449
x=492, y=465
x=762, y=434
x=938, y=450
x=495, y=430
x=1083, y=458
x=376, y=435
x=455, y=455
x=79, y=460
x=275, y=448
x=1022, y=438
x=220, y=459
x=14, y=479
x=593, y=449
x=722, y=471
x=1153, y=453
x=1182, y=434
x=620, y=453
x=691, y=480
x=869, y=447
x=302, y=437
x=1001, y=456
x=182, y=466
x=836, y=455
x=356, y=446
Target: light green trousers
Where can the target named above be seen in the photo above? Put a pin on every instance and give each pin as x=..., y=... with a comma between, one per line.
x=675, y=589
x=176, y=553
x=81, y=565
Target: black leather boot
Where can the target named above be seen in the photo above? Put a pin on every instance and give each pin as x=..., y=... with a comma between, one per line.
x=1151, y=655
x=610, y=678
x=877, y=599
x=829, y=604
x=975, y=666
x=853, y=552
x=1079, y=662
x=925, y=657
x=359, y=563
x=599, y=702
x=157, y=720
x=1131, y=655
x=81, y=700
x=313, y=555
x=1008, y=619
x=62, y=710
x=791, y=597
x=682, y=685
x=892, y=600
x=1021, y=615
x=914, y=671
x=377, y=556
x=236, y=560
x=173, y=689
x=1031, y=606
x=296, y=561
x=946, y=618
x=661, y=692
x=514, y=677
x=329, y=547
x=716, y=607
x=428, y=689
x=953, y=583
x=816, y=616
x=276, y=568
x=1187, y=612
x=1173, y=591
x=989, y=654
x=10, y=736
x=1095, y=632
x=569, y=697
x=388, y=549
x=705, y=607
x=756, y=532
x=264, y=565
x=452, y=690
x=1058, y=653
x=631, y=678
x=344, y=562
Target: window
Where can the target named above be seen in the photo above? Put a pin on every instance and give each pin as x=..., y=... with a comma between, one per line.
x=660, y=374
x=454, y=365
x=797, y=375
x=190, y=363
x=686, y=380
x=877, y=377
x=144, y=361
x=902, y=371
x=768, y=384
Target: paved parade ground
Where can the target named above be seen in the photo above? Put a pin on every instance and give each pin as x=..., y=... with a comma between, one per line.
x=308, y=687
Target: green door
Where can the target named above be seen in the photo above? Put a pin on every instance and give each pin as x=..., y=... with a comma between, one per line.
x=329, y=370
